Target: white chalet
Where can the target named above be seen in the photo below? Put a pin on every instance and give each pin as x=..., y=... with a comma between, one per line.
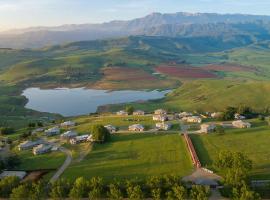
x=241, y=124
x=207, y=128
x=238, y=116
x=52, y=131
x=68, y=124
x=41, y=149
x=161, y=118
x=79, y=139
x=28, y=145
x=184, y=114
x=136, y=127
x=160, y=112
x=193, y=119
x=138, y=112
x=122, y=113
x=69, y=135
x=111, y=128
x=163, y=126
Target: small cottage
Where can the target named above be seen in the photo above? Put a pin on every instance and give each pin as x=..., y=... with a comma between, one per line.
x=241, y=124
x=68, y=124
x=139, y=112
x=160, y=112
x=42, y=149
x=163, y=126
x=28, y=145
x=161, y=118
x=79, y=139
x=122, y=113
x=111, y=128
x=207, y=128
x=68, y=135
x=193, y=119
x=184, y=114
x=136, y=127
x=52, y=131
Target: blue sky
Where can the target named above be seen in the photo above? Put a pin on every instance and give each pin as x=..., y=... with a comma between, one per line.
x=25, y=13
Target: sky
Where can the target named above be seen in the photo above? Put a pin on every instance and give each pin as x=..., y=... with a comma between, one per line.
x=27, y=13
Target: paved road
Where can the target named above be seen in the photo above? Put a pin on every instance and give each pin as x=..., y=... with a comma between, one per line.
x=67, y=162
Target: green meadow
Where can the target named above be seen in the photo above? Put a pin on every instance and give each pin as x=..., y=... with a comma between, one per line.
x=134, y=155
x=253, y=142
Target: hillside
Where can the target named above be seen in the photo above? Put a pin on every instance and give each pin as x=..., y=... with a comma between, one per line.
x=210, y=95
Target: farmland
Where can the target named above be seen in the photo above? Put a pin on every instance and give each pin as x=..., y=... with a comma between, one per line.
x=253, y=142
x=130, y=156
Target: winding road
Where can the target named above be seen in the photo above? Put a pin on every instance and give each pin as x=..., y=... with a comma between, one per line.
x=65, y=165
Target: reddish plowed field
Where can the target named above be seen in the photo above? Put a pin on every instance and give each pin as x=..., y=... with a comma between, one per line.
x=229, y=68
x=125, y=74
x=185, y=72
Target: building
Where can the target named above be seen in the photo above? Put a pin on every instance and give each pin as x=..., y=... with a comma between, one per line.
x=216, y=115
x=19, y=174
x=241, y=124
x=52, y=131
x=41, y=149
x=207, y=128
x=68, y=124
x=163, y=126
x=38, y=130
x=136, y=127
x=160, y=112
x=111, y=128
x=192, y=119
x=122, y=113
x=184, y=114
x=238, y=116
x=28, y=145
x=139, y=112
x=68, y=135
x=161, y=118
x=79, y=139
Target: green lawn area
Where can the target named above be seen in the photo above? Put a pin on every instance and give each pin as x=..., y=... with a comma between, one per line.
x=253, y=142
x=51, y=160
x=122, y=122
x=134, y=155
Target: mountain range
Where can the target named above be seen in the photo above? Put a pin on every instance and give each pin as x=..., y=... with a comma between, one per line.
x=227, y=26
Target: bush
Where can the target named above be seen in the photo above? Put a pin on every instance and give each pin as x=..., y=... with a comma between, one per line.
x=6, y=130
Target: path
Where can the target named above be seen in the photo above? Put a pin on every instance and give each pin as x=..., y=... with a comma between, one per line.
x=67, y=162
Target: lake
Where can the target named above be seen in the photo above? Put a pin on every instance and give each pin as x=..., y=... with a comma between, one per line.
x=80, y=101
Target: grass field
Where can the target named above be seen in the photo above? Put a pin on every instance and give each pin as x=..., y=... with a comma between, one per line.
x=29, y=161
x=253, y=142
x=136, y=155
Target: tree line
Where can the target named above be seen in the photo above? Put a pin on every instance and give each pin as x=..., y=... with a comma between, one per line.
x=166, y=187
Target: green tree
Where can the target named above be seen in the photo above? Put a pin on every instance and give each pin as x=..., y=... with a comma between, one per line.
x=244, y=193
x=100, y=133
x=37, y=191
x=115, y=192
x=20, y=192
x=80, y=189
x=229, y=113
x=199, y=192
x=7, y=184
x=154, y=183
x=180, y=192
x=129, y=110
x=96, y=186
x=60, y=189
x=134, y=191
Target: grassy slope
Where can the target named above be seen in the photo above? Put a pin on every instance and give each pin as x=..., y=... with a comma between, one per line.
x=253, y=142
x=211, y=95
x=138, y=155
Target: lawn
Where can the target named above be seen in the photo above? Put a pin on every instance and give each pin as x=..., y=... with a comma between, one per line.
x=51, y=160
x=134, y=155
x=253, y=142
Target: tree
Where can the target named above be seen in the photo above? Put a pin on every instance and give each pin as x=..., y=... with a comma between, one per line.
x=7, y=184
x=115, y=192
x=60, y=189
x=244, y=193
x=100, y=133
x=79, y=189
x=37, y=191
x=199, y=192
x=20, y=192
x=180, y=192
x=134, y=191
x=96, y=188
x=229, y=113
x=129, y=110
x=154, y=183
